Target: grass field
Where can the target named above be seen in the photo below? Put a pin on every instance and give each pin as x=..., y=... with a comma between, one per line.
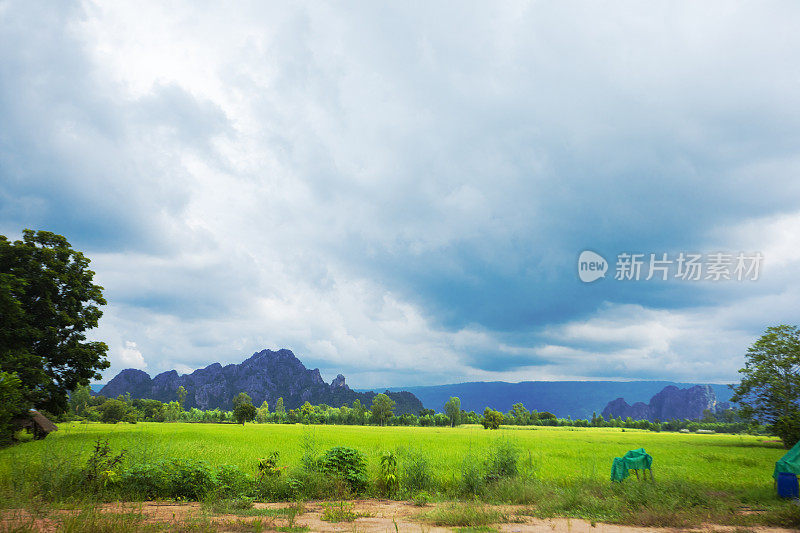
x=563, y=471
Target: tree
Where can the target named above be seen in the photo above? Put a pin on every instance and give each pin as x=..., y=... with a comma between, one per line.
x=113, y=411
x=770, y=386
x=244, y=412
x=280, y=410
x=452, y=409
x=12, y=402
x=491, y=419
x=241, y=398
x=181, y=396
x=48, y=302
x=520, y=414
x=382, y=407
x=243, y=408
x=359, y=412
x=79, y=400
x=262, y=413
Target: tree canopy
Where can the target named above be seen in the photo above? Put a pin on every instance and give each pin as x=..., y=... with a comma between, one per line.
x=48, y=302
x=770, y=386
x=452, y=409
x=382, y=408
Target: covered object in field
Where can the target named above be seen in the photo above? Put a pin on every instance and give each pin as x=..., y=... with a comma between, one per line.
x=790, y=462
x=633, y=460
x=36, y=423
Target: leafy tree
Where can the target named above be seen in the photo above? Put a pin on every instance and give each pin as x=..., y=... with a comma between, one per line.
x=770, y=386
x=491, y=419
x=244, y=412
x=280, y=410
x=520, y=414
x=12, y=402
x=382, y=408
x=181, y=396
x=79, y=400
x=452, y=409
x=359, y=412
x=262, y=413
x=48, y=302
x=241, y=398
x=113, y=411
x=151, y=410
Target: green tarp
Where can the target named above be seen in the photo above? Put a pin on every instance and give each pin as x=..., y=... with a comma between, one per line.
x=790, y=462
x=633, y=460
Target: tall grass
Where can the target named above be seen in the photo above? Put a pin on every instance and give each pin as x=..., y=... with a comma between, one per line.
x=552, y=471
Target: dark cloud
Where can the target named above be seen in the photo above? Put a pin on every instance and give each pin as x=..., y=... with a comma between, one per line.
x=409, y=186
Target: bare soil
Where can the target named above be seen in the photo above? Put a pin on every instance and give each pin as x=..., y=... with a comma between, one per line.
x=381, y=516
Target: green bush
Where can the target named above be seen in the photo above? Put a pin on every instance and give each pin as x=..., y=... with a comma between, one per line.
x=179, y=479
x=472, y=475
x=232, y=482
x=348, y=464
x=502, y=460
x=416, y=473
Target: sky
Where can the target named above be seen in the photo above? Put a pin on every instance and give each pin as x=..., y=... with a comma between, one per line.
x=401, y=192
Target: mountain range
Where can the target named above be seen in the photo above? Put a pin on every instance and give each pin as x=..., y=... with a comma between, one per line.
x=670, y=403
x=266, y=375
x=578, y=399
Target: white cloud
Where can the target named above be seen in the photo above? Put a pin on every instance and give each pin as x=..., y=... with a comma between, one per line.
x=130, y=357
x=395, y=193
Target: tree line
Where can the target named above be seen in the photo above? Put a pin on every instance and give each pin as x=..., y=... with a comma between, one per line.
x=84, y=406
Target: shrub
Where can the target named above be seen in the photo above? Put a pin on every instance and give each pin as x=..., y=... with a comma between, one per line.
x=502, y=460
x=102, y=466
x=348, y=464
x=416, y=474
x=180, y=479
x=268, y=467
x=232, y=482
x=472, y=475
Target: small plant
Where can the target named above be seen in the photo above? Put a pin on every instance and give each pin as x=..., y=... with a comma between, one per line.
x=388, y=481
x=340, y=512
x=101, y=467
x=268, y=467
x=463, y=515
x=421, y=498
x=229, y=506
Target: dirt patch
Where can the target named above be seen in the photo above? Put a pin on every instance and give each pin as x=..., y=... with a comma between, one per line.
x=381, y=516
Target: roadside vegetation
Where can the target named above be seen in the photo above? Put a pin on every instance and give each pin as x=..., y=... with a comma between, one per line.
x=544, y=471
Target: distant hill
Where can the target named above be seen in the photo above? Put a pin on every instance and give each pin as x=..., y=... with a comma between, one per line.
x=267, y=375
x=578, y=399
x=670, y=403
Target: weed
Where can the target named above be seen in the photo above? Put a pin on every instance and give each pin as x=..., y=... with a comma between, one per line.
x=102, y=467
x=340, y=512
x=462, y=515
x=416, y=474
x=421, y=498
x=388, y=480
x=502, y=460
x=472, y=475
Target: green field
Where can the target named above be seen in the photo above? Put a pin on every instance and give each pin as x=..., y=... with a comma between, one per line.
x=740, y=462
x=567, y=467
